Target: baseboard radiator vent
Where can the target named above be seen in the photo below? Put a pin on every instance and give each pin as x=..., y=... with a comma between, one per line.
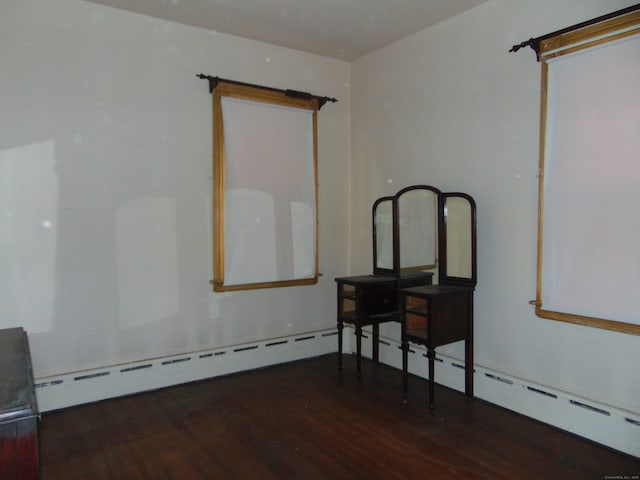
x=610, y=426
x=76, y=388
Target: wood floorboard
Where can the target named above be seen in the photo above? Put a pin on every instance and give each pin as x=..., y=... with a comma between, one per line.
x=304, y=420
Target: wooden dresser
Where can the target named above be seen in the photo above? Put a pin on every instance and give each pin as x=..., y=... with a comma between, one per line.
x=18, y=409
x=366, y=299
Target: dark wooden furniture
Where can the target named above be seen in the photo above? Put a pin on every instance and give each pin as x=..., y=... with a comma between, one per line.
x=437, y=315
x=371, y=300
x=441, y=314
x=417, y=232
x=18, y=409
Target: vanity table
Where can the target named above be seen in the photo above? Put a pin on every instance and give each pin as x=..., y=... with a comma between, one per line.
x=424, y=276
x=433, y=316
x=371, y=300
x=441, y=314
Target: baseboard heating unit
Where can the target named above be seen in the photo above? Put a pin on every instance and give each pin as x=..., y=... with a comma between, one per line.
x=76, y=388
x=610, y=426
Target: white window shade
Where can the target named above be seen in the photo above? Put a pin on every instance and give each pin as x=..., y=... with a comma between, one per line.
x=267, y=224
x=589, y=259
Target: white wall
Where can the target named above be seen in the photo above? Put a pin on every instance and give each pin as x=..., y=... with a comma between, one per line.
x=451, y=107
x=105, y=164
x=105, y=188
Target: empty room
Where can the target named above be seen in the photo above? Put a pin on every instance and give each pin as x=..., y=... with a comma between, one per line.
x=319, y=239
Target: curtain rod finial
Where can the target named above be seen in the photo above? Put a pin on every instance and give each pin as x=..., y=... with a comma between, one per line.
x=534, y=43
x=213, y=81
x=323, y=100
x=520, y=45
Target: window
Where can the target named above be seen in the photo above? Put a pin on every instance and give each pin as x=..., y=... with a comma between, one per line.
x=588, y=254
x=264, y=187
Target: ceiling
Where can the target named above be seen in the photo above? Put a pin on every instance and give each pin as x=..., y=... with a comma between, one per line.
x=342, y=29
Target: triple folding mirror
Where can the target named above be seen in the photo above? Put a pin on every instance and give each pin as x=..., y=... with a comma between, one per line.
x=421, y=228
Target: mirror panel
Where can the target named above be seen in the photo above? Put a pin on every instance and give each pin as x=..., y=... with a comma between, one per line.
x=421, y=228
x=383, y=235
x=459, y=252
x=418, y=227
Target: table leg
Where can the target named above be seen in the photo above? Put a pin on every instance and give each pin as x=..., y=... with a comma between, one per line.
x=340, y=329
x=468, y=351
x=431, y=355
x=405, y=370
x=358, y=350
x=468, y=368
x=376, y=342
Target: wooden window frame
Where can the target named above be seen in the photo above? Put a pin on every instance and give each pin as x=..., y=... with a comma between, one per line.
x=590, y=36
x=268, y=97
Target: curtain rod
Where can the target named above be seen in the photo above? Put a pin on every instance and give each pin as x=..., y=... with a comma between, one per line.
x=213, y=83
x=534, y=43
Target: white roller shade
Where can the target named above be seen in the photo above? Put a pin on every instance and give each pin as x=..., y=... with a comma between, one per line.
x=590, y=263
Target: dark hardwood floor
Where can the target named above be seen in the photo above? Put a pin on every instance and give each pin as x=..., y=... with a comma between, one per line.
x=305, y=421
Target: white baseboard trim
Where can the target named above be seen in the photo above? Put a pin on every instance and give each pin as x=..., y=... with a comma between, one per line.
x=610, y=426
x=76, y=388
x=616, y=428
